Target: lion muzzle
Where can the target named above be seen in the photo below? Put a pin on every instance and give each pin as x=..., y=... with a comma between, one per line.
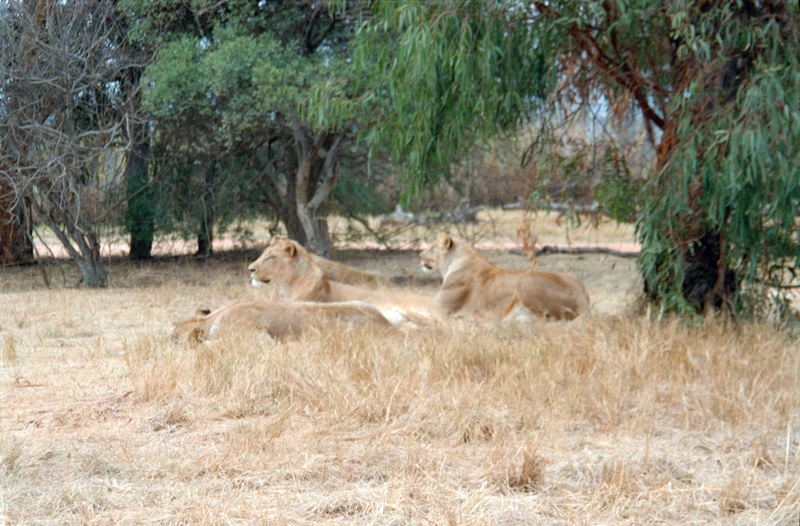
x=254, y=281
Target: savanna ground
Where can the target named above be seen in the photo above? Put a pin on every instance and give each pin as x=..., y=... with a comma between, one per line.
x=610, y=419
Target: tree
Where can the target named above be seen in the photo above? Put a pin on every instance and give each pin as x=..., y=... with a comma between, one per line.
x=140, y=213
x=64, y=116
x=229, y=86
x=16, y=244
x=716, y=84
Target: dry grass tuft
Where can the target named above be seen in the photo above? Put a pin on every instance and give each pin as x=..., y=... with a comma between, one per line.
x=344, y=505
x=530, y=475
x=620, y=481
x=528, y=240
x=170, y=417
x=11, y=452
x=733, y=497
x=9, y=354
x=153, y=376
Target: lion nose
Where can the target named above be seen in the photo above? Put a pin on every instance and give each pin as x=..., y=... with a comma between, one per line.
x=251, y=268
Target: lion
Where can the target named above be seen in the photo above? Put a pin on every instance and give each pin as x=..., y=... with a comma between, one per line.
x=295, y=276
x=278, y=320
x=474, y=286
x=342, y=273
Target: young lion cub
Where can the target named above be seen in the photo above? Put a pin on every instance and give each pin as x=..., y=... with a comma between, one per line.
x=473, y=285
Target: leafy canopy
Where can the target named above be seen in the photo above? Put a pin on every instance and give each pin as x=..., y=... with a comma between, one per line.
x=734, y=169
x=715, y=83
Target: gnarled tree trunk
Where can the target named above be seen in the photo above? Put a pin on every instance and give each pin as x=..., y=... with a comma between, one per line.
x=15, y=229
x=708, y=280
x=205, y=234
x=140, y=214
x=85, y=252
x=316, y=177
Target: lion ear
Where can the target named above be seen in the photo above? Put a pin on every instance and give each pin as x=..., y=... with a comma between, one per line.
x=447, y=242
x=274, y=241
x=288, y=247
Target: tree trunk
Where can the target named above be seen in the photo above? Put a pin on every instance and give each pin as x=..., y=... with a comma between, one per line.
x=92, y=270
x=316, y=230
x=205, y=235
x=708, y=280
x=316, y=177
x=16, y=246
x=299, y=181
x=205, y=239
x=87, y=253
x=287, y=210
x=140, y=214
x=294, y=228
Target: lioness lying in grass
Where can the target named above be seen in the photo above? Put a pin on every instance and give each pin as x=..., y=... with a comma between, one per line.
x=289, y=268
x=335, y=271
x=277, y=320
x=474, y=286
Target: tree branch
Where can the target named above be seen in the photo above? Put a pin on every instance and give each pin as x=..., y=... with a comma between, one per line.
x=324, y=189
x=552, y=249
x=621, y=72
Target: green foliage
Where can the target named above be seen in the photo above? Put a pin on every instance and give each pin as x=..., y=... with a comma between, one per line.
x=718, y=82
x=618, y=190
x=176, y=83
x=359, y=197
x=432, y=75
x=230, y=85
x=242, y=74
x=736, y=166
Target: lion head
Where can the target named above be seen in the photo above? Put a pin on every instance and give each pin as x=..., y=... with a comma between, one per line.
x=279, y=261
x=439, y=255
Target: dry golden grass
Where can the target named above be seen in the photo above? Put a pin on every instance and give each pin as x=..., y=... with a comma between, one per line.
x=610, y=419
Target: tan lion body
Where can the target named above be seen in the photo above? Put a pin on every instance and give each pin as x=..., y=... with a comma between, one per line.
x=473, y=285
x=340, y=273
x=278, y=320
x=343, y=274
x=295, y=276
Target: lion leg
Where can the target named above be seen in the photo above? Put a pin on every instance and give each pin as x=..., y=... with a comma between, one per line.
x=517, y=310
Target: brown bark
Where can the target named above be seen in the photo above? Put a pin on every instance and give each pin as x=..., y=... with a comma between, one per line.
x=316, y=177
x=15, y=238
x=139, y=215
x=205, y=233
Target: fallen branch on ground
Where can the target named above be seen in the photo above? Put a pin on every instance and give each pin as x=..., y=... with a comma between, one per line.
x=552, y=249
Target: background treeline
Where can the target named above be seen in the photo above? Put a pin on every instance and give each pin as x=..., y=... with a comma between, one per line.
x=190, y=116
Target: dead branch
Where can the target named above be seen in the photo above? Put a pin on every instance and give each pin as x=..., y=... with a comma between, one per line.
x=554, y=249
